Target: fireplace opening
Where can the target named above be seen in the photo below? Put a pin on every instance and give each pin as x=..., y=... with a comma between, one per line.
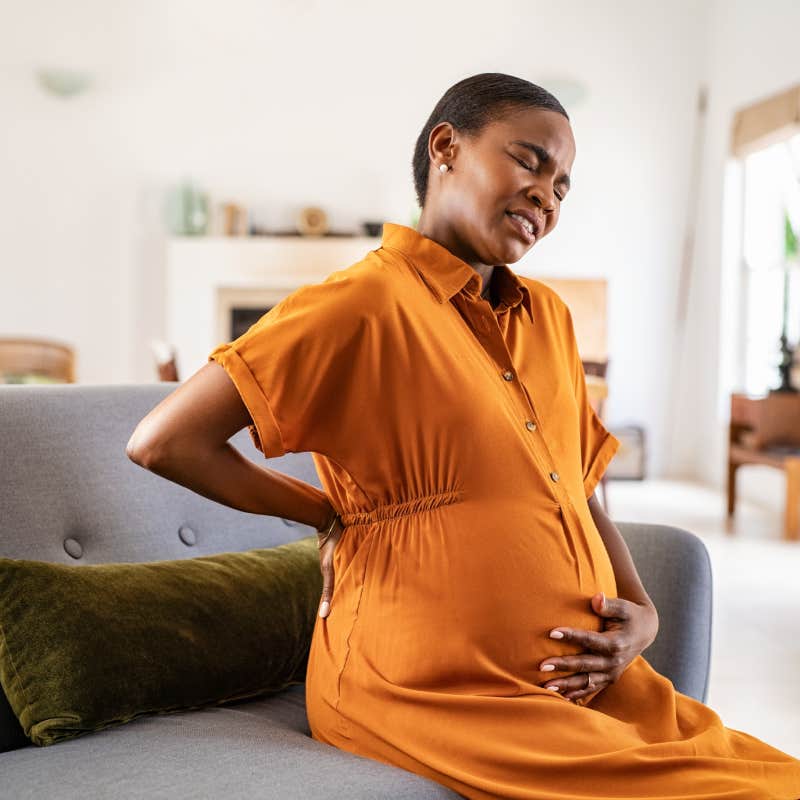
x=243, y=317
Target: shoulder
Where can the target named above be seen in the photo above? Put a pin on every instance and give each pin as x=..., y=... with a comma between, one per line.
x=331, y=314
x=353, y=288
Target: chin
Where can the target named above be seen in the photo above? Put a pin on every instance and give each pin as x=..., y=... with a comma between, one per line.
x=513, y=249
x=521, y=249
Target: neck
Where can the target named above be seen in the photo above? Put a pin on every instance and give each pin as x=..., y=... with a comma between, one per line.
x=444, y=234
x=486, y=292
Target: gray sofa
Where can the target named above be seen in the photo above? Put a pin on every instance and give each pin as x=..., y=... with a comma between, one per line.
x=69, y=494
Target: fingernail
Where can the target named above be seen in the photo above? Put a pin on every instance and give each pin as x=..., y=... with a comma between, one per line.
x=324, y=608
x=548, y=667
x=556, y=635
x=553, y=688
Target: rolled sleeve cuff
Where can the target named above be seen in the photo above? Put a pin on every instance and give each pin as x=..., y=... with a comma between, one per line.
x=264, y=431
x=608, y=448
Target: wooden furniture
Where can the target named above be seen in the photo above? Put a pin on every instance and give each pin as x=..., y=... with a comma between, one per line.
x=166, y=363
x=168, y=371
x=46, y=357
x=586, y=298
x=766, y=430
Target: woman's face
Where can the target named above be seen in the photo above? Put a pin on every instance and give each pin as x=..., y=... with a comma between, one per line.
x=496, y=174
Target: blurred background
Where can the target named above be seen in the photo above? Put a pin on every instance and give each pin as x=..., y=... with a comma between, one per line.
x=170, y=169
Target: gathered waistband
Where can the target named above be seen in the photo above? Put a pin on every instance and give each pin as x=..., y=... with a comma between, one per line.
x=392, y=510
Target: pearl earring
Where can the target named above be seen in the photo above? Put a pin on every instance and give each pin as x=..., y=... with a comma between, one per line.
x=443, y=168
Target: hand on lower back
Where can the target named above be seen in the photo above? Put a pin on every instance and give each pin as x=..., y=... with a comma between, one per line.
x=326, y=551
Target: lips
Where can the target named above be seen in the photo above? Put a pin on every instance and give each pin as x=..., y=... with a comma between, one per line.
x=520, y=228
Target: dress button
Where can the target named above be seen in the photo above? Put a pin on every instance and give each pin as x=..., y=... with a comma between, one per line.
x=508, y=375
x=531, y=426
x=554, y=476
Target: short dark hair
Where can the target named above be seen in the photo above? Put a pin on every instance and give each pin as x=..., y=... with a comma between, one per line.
x=472, y=104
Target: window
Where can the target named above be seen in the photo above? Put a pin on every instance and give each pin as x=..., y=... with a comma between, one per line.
x=770, y=192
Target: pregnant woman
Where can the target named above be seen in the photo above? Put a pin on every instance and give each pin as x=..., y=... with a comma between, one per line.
x=482, y=621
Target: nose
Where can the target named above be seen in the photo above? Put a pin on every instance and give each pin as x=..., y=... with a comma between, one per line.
x=543, y=199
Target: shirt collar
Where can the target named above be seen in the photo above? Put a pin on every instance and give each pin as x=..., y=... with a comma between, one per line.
x=446, y=274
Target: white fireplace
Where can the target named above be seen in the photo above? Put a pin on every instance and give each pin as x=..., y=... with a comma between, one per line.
x=208, y=277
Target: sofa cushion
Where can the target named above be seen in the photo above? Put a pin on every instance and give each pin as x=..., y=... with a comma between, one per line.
x=87, y=647
x=257, y=748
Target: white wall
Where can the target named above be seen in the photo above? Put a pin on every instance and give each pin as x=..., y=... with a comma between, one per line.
x=752, y=53
x=281, y=105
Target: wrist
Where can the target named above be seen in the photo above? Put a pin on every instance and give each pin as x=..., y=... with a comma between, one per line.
x=329, y=513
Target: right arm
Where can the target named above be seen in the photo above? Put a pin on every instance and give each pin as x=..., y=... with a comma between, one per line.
x=298, y=367
x=185, y=439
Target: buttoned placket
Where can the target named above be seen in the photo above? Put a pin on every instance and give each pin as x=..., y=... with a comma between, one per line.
x=482, y=320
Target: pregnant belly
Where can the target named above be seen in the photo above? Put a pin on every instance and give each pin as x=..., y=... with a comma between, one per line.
x=456, y=604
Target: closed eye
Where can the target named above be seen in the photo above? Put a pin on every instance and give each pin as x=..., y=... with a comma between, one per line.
x=520, y=161
x=530, y=169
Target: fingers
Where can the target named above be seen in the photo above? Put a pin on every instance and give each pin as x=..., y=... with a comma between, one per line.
x=600, y=663
x=571, y=683
x=604, y=643
x=607, y=651
x=327, y=587
x=574, y=686
x=616, y=608
x=326, y=566
x=583, y=663
x=598, y=681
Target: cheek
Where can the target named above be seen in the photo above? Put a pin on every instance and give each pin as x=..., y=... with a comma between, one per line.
x=475, y=203
x=487, y=186
x=552, y=220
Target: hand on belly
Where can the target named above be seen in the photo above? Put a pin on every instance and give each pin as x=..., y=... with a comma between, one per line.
x=628, y=629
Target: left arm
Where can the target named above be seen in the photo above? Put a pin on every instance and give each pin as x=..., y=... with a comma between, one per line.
x=629, y=585
x=630, y=620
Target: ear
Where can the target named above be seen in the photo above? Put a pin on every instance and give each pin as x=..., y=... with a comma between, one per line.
x=440, y=142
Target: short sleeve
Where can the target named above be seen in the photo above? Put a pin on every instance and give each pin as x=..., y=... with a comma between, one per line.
x=297, y=368
x=598, y=445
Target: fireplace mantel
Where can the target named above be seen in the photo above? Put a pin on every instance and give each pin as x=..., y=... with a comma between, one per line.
x=206, y=275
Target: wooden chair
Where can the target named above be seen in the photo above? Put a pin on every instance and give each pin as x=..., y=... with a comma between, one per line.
x=766, y=430
x=166, y=361
x=35, y=356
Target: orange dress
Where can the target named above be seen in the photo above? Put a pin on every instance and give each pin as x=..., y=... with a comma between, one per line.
x=459, y=445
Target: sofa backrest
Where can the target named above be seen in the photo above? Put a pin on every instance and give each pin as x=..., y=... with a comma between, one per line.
x=70, y=494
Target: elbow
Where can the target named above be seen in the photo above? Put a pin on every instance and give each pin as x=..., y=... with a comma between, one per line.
x=135, y=455
x=143, y=450
x=654, y=622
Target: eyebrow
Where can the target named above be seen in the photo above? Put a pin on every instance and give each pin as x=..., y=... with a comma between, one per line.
x=543, y=156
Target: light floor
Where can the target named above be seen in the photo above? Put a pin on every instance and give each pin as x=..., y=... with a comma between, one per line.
x=755, y=660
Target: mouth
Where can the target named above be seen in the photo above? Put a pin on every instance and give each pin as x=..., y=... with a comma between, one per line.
x=525, y=228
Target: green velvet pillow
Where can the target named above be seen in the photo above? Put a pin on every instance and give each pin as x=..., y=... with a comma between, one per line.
x=86, y=647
